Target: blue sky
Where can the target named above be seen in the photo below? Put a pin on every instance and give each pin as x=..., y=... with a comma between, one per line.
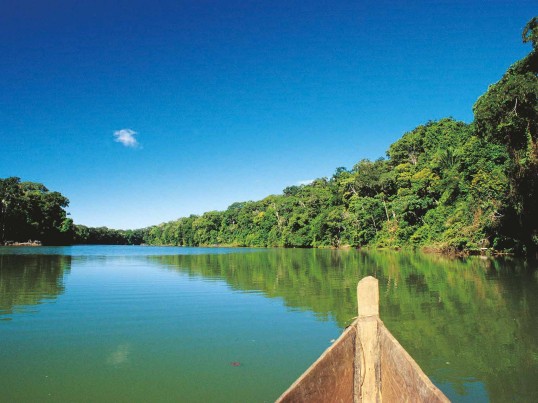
x=141, y=112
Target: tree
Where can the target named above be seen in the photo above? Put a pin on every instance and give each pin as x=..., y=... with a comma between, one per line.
x=29, y=211
x=507, y=114
x=530, y=32
x=10, y=200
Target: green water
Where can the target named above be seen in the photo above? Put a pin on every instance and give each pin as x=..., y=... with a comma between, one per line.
x=139, y=324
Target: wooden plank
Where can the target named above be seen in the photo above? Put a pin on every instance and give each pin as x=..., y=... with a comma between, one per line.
x=368, y=297
x=402, y=380
x=330, y=378
x=367, y=387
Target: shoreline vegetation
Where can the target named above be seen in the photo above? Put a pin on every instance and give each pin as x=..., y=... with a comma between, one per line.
x=446, y=186
x=485, y=252
x=28, y=243
x=424, y=249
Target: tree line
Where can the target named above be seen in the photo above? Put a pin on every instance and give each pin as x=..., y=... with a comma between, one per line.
x=29, y=212
x=445, y=185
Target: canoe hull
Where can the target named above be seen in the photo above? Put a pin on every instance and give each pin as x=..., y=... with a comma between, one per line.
x=331, y=377
x=365, y=364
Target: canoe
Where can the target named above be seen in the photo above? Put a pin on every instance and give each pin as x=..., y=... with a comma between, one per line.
x=365, y=364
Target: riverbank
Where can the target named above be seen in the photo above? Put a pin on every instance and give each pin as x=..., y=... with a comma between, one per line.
x=28, y=243
x=429, y=249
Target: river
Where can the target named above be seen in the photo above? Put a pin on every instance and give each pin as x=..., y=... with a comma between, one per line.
x=134, y=323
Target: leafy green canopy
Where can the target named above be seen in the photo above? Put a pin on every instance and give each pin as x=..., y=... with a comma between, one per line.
x=29, y=211
x=446, y=185
x=507, y=115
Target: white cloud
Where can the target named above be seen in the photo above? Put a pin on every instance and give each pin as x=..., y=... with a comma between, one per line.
x=305, y=182
x=126, y=137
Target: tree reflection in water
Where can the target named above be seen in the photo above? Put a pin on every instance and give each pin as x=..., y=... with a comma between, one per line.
x=470, y=323
x=27, y=280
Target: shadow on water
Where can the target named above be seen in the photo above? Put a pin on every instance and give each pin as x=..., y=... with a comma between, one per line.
x=470, y=323
x=27, y=280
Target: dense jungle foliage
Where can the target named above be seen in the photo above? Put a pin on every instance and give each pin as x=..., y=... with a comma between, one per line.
x=29, y=211
x=445, y=185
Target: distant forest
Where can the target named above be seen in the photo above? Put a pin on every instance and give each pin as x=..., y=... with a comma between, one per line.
x=446, y=186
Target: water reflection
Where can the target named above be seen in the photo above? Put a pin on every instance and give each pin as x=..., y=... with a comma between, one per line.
x=321, y=281
x=27, y=280
x=468, y=322
x=120, y=355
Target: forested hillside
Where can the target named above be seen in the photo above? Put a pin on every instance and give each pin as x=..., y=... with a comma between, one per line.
x=441, y=186
x=445, y=185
